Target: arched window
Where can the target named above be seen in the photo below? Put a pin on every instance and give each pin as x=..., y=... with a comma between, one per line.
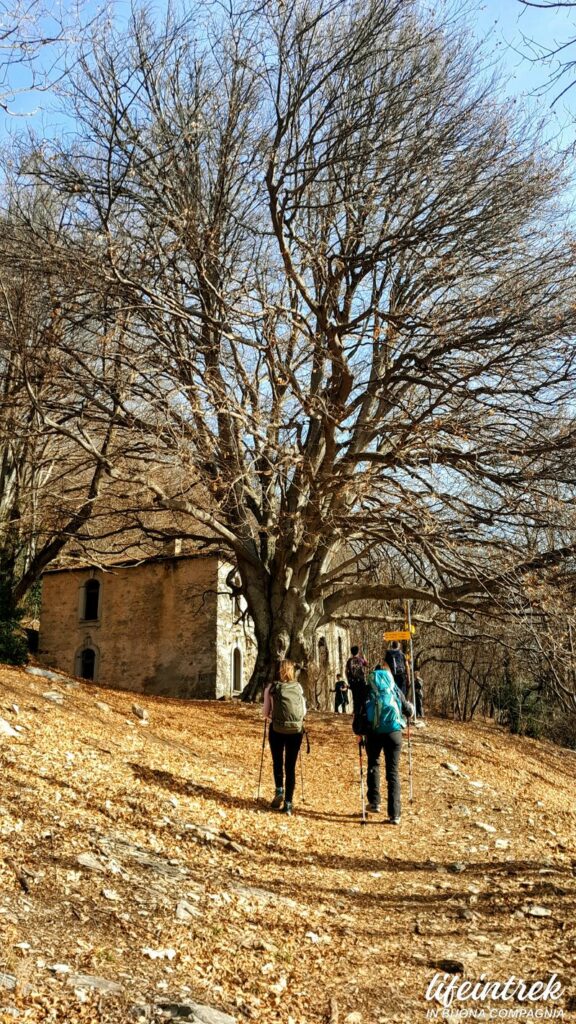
x=87, y=663
x=236, y=670
x=91, y=601
x=323, y=654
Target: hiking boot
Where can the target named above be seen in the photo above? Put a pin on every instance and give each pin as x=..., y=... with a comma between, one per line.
x=287, y=809
x=395, y=821
x=277, y=801
x=374, y=807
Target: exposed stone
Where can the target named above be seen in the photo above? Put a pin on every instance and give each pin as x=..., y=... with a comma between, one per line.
x=7, y=981
x=159, y=954
x=45, y=673
x=451, y=767
x=124, y=849
x=185, y=911
x=536, y=911
x=55, y=696
x=195, y=1013
x=92, y=981
x=457, y=867
x=464, y=914
x=264, y=896
x=89, y=861
x=257, y=943
x=484, y=826
x=140, y=713
x=6, y=729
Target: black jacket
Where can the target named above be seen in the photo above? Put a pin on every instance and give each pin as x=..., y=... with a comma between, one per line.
x=396, y=663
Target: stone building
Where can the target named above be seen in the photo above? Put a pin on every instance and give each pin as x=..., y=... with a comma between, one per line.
x=167, y=625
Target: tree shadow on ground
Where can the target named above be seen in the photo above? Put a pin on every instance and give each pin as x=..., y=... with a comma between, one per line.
x=385, y=863
x=185, y=787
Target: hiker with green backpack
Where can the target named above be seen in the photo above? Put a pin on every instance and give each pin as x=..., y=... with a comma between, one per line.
x=382, y=728
x=285, y=709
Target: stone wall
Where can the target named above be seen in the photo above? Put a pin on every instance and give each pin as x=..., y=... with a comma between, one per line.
x=168, y=626
x=236, y=647
x=331, y=650
x=156, y=627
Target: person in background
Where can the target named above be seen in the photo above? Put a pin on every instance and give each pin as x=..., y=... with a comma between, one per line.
x=341, y=699
x=396, y=663
x=285, y=709
x=356, y=677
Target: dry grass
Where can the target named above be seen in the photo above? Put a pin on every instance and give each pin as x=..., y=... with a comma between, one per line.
x=346, y=919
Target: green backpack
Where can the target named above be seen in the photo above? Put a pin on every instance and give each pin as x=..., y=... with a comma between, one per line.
x=287, y=707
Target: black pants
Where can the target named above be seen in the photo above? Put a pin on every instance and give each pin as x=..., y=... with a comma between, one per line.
x=402, y=683
x=285, y=750
x=419, y=705
x=391, y=744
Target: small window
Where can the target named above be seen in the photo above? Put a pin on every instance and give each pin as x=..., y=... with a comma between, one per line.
x=323, y=654
x=87, y=663
x=237, y=670
x=91, y=601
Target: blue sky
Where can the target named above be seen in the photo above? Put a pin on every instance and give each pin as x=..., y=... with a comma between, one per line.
x=506, y=26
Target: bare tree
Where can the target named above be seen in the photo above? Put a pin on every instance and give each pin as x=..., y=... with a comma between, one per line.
x=37, y=40
x=556, y=56
x=346, y=293
x=58, y=432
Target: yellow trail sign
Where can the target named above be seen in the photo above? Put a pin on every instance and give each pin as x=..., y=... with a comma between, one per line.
x=399, y=634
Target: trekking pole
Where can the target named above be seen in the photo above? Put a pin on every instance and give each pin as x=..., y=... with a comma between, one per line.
x=360, y=745
x=411, y=680
x=411, y=794
x=262, y=758
x=304, y=735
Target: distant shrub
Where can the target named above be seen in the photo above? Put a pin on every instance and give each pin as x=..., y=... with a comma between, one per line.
x=13, y=641
x=563, y=729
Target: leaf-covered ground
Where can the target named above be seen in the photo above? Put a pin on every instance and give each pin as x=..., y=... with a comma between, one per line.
x=191, y=890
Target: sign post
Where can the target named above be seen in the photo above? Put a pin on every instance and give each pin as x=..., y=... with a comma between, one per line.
x=397, y=634
x=410, y=635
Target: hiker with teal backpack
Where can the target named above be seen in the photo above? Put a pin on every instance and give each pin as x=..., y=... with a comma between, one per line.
x=382, y=727
x=285, y=709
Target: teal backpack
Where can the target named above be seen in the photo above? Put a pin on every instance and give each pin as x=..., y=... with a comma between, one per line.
x=383, y=707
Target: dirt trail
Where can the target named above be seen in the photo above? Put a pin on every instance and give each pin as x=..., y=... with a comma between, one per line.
x=192, y=891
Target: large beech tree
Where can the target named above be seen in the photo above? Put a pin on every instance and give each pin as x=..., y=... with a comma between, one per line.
x=345, y=289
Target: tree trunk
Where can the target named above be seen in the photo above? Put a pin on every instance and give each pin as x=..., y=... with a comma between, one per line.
x=284, y=628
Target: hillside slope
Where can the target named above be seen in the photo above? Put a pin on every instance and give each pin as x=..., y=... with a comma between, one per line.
x=137, y=853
